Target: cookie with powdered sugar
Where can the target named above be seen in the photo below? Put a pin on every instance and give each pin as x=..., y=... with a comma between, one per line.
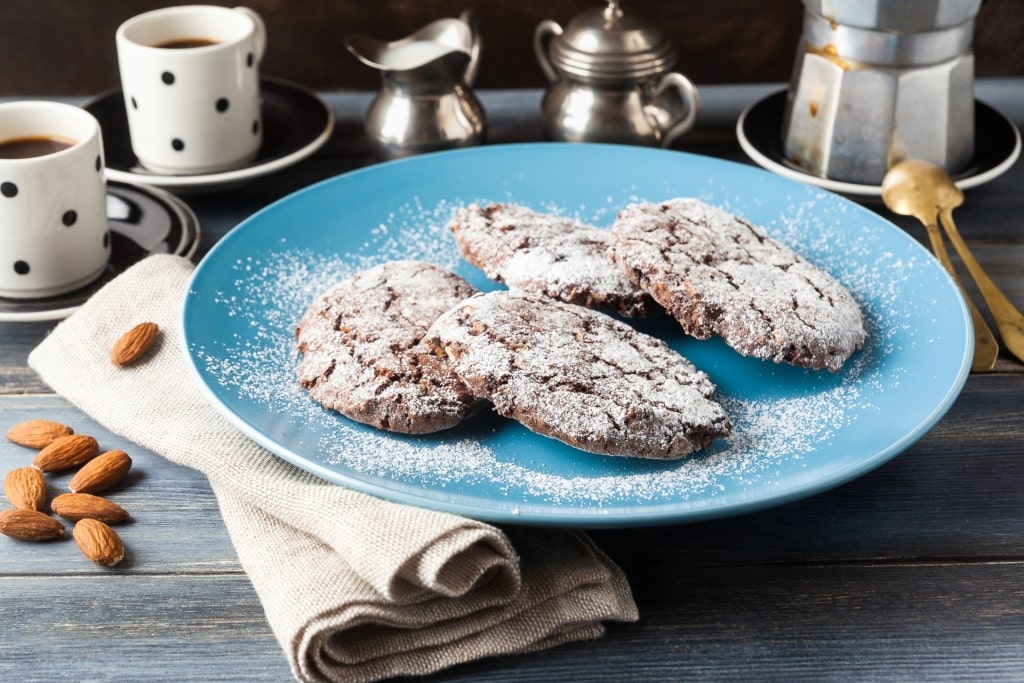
x=545, y=254
x=580, y=376
x=718, y=274
x=362, y=350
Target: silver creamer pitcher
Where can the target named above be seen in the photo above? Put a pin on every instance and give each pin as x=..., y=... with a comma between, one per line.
x=425, y=102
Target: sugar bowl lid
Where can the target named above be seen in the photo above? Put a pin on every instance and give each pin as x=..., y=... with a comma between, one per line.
x=608, y=44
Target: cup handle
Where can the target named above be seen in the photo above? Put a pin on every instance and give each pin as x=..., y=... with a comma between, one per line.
x=691, y=99
x=260, y=33
x=545, y=30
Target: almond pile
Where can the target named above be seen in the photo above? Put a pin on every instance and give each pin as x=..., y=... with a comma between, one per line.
x=60, y=450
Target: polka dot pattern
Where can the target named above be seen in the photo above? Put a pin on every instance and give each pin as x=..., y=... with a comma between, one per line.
x=221, y=104
x=23, y=266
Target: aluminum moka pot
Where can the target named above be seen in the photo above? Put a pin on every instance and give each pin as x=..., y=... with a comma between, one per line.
x=611, y=80
x=881, y=81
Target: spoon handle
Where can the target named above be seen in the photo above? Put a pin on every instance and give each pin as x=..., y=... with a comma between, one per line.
x=1008, y=319
x=986, y=348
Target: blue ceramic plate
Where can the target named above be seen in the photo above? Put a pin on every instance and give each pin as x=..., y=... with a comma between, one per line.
x=797, y=432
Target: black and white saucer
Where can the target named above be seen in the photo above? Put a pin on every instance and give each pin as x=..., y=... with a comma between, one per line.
x=296, y=123
x=143, y=221
x=997, y=146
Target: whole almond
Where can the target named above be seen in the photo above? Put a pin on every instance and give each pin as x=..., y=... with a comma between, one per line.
x=25, y=487
x=66, y=452
x=98, y=542
x=134, y=343
x=37, y=433
x=78, y=506
x=29, y=525
x=100, y=473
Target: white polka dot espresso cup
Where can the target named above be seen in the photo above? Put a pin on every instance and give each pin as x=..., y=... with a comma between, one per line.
x=54, y=235
x=190, y=77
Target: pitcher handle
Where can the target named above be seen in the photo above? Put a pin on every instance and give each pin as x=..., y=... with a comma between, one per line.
x=469, y=18
x=260, y=32
x=545, y=31
x=691, y=100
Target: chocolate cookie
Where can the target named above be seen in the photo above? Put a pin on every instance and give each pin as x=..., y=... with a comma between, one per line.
x=719, y=275
x=580, y=376
x=544, y=254
x=362, y=350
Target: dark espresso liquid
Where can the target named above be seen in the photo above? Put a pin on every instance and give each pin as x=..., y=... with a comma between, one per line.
x=37, y=146
x=184, y=43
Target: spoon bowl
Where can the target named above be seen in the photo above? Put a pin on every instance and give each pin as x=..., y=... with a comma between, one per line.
x=918, y=188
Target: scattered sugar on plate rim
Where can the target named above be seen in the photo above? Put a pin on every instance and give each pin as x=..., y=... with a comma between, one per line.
x=273, y=289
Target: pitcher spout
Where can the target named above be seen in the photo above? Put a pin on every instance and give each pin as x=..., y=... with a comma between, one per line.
x=447, y=43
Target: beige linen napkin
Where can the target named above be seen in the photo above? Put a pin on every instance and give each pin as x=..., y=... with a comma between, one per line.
x=355, y=588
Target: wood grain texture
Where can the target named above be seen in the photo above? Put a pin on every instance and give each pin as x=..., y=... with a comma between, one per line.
x=66, y=47
x=898, y=622
x=911, y=572
x=899, y=574
x=157, y=627
x=955, y=492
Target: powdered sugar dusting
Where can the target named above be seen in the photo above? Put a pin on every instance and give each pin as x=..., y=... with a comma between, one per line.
x=549, y=254
x=787, y=427
x=580, y=376
x=719, y=275
x=363, y=354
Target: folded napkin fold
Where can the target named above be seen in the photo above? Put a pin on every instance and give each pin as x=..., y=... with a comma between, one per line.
x=355, y=588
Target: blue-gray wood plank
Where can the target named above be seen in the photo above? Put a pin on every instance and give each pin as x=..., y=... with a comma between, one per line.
x=912, y=572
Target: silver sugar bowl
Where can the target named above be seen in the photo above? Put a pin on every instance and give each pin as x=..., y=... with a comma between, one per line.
x=611, y=80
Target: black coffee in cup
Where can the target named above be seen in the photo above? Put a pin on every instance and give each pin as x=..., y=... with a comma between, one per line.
x=33, y=146
x=185, y=43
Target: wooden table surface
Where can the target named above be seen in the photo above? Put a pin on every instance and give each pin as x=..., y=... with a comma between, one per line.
x=912, y=572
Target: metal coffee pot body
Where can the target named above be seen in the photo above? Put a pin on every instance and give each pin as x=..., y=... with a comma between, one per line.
x=611, y=80
x=425, y=102
x=877, y=82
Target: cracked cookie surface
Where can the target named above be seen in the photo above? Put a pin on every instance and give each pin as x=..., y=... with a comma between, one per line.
x=580, y=376
x=541, y=253
x=717, y=274
x=362, y=350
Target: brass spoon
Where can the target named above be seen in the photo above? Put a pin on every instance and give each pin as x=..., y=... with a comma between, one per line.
x=909, y=192
x=1008, y=319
